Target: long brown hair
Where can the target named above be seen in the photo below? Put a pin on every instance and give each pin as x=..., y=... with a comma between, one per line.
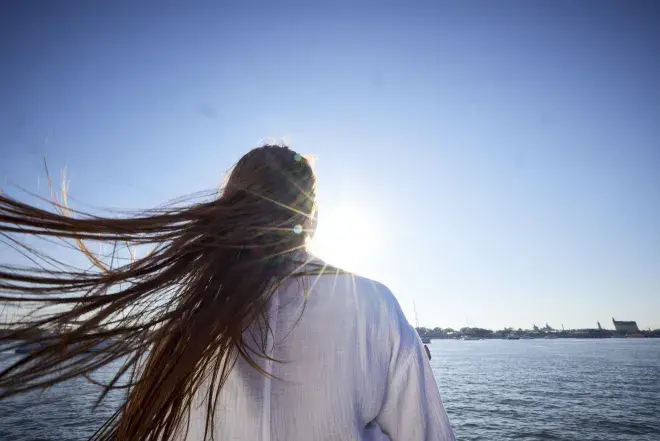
x=175, y=317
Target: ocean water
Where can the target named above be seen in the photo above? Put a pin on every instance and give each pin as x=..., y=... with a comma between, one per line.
x=583, y=390
x=493, y=390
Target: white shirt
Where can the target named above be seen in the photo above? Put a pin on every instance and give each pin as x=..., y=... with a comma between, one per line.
x=351, y=368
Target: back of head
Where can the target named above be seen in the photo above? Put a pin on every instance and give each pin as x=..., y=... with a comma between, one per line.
x=178, y=313
x=274, y=188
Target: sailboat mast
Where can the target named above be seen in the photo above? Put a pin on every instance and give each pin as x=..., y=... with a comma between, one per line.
x=416, y=318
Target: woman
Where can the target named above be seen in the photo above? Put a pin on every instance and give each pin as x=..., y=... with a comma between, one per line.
x=228, y=328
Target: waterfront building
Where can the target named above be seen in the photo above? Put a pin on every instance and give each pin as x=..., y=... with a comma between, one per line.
x=625, y=326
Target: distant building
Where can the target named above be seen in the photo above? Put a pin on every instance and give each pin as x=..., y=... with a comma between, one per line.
x=600, y=328
x=625, y=326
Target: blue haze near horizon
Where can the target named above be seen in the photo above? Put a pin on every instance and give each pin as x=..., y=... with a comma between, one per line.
x=507, y=153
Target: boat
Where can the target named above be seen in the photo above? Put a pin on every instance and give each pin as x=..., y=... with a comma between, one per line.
x=512, y=337
x=426, y=340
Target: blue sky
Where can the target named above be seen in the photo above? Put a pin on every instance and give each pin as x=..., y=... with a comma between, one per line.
x=506, y=154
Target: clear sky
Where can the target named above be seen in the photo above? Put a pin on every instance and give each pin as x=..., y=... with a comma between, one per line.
x=501, y=159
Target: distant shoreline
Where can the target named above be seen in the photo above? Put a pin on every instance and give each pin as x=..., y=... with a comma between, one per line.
x=520, y=334
x=503, y=334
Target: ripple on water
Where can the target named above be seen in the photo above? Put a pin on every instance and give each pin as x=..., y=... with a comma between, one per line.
x=557, y=389
x=586, y=390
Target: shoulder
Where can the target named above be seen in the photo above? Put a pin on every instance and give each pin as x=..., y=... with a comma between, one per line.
x=399, y=338
x=372, y=300
x=366, y=291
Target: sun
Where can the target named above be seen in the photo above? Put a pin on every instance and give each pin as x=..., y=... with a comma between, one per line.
x=345, y=237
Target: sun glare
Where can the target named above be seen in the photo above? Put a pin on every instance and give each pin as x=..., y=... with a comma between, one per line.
x=345, y=238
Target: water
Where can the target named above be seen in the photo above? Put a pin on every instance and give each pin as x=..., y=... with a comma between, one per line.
x=550, y=389
x=64, y=412
x=493, y=390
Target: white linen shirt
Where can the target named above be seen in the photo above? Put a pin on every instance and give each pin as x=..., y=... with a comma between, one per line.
x=349, y=368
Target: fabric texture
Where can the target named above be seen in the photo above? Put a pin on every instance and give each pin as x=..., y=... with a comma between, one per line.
x=349, y=367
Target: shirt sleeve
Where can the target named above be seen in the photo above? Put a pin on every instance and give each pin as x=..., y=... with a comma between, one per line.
x=412, y=409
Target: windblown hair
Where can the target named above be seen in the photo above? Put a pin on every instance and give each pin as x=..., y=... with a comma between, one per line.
x=173, y=318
